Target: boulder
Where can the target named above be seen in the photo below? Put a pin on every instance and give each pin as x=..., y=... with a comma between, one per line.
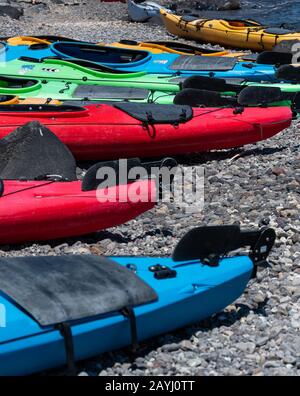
x=219, y=5
x=13, y=11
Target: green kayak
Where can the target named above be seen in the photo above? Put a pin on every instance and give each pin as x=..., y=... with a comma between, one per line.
x=64, y=80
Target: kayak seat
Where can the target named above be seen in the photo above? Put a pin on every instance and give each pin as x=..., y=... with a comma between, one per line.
x=274, y=58
x=288, y=73
x=256, y=96
x=203, y=82
x=106, y=92
x=157, y=114
x=198, y=97
x=33, y=152
x=56, y=290
x=203, y=63
x=92, y=179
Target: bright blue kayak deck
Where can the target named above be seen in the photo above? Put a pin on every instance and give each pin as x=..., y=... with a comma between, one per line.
x=195, y=293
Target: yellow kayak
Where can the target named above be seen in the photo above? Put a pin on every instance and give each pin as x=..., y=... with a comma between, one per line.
x=155, y=47
x=246, y=34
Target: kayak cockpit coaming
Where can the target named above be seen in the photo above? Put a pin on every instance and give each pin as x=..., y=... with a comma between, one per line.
x=101, y=54
x=43, y=110
x=15, y=83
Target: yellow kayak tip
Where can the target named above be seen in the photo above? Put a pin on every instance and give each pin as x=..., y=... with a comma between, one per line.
x=26, y=40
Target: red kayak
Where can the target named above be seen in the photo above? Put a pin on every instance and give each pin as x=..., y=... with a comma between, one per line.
x=43, y=210
x=106, y=131
x=41, y=197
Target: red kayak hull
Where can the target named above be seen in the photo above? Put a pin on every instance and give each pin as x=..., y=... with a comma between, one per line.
x=105, y=132
x=38, y=211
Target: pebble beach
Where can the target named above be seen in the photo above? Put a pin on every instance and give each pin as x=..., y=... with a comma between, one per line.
x=253, y=186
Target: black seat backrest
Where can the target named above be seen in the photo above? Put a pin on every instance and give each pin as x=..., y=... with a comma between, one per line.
x=92, y=179
x=198, y=97
x=32, y=152
x=288, y=73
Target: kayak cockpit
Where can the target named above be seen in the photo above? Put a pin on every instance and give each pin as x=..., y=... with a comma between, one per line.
x=99, y=54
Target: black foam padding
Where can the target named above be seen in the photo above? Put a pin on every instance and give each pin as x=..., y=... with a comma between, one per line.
x=91, y=180
x=203, y=63
x=202, y=82
x=288, y=73
x=278, y=31
x=274, y=58
x=157, y=114
x=86, y=91
x=255, y=96
x=286, y=46
x=62, y=289
x=32, y=151
x=198, y=97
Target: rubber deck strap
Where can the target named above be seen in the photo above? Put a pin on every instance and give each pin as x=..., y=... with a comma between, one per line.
x=128, y=312
x=66, y=332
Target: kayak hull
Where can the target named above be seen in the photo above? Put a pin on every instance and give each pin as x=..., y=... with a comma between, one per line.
x=39, y=211
x=105, y=132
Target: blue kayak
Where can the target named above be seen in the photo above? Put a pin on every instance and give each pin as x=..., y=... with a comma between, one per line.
x=57, y=310
x=128, y=60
